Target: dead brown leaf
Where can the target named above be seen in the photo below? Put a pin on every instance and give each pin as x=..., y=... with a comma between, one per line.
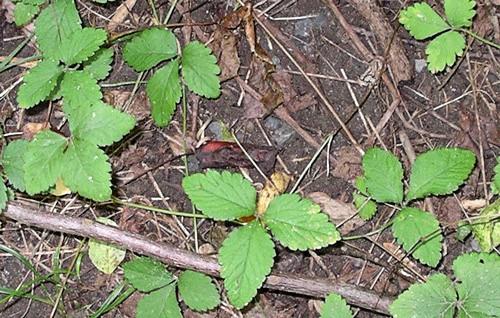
x=120, y=15
x=348, y=163
x=225, y=48
x=139, y=107
x=291, y=99
x=31, y=129
x=274, y=187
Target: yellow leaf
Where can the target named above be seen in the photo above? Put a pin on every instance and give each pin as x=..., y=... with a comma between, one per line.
x=60, y=188
x=279, y=183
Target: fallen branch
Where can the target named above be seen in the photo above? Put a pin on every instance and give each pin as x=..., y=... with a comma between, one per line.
x=180, y=258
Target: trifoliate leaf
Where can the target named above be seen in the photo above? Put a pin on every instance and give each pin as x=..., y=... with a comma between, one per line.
x=149, y=48
x=3, y=195
x=422, y=21
x=412, y=226
x=439, y=171
x=459, y=12
x=366, y=207
x=79, y=89
x=161, y=303
x=24, y=13
x=105, y=257
x=495, y=184
x=43, y=161
x=38, y=83
x=335, y=307
x=87, y=171
x=443, y=50
x=434, y=298
x=198, y=291
x=246, y=258
x=478, y=292
x=54, y=25
x=299, y=224
x=487, y=233
x=164, y=92
x=200, y=70
x=13, y=163
x=99, y=65
x=146, y=274
x=383, y=174
x=221, y=196
x=100, y=124
x=81, y=45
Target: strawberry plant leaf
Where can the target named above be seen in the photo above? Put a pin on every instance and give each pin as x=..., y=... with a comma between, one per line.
x=24, y=13
x=366, y=207
x=13, y=163
x=43, y=161
x=488, y=233
x=3, y=195
x=360, y=185
x=87, y=171
x=200, y=70
x=411, y=226
x=79, y=89
x=54, y=25
x=38, y=83
x=149, y=48
x=422, y=21
x=299, y=224
x=81, y=45
x=198, y=291
x=495, y=184
x=478, y=292
x=105, y=256
x=459, y=12
x=383, y=174
x=439, y=171
x=164, y=92
x=161, y=303
x=146, y=274
x=99, y=65
x=221, y=196
x=335, y=307
x=100, y=123
x=434, y=298
x=246, y=258
x=443, y=50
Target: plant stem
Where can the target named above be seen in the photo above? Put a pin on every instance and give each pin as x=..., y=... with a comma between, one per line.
x=159, y=210
x=474, y=35
x=380, y=229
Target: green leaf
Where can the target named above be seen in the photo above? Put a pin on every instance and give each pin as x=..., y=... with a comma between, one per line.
x=161, y=303
x=360, y=185
x=221, y=196
x=164, y=92
x=3, y=195
x=299, y=224
x=13, y=163
x=198, y=291
x=54, y=25
x=38, y=83
x=105, y=257
x=149, y=48
x=246, y=258
x=87, y=171
x=422, y=21
x=439, y=171
x=411, y=226
x=366, y=207
x=99, y=65
x=478, y=292
x=100, y=123
x=443, y=50
x=459, y=12
x=200, y=70
x=335, y=307
x=43, y=161
x=79, y=89
x=146, y=274
x=383, y=174
x=495, y=184
x=81, y=45
x=24, y=13
x=488, y=233
x=435, y=298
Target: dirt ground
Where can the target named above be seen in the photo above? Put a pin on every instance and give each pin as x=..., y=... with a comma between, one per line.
x=454, y=108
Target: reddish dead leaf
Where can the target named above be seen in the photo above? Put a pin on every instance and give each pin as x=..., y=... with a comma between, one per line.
x=31, y=129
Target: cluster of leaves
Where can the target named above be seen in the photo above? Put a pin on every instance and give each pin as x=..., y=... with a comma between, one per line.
x=423, y=22
x=150, y=277
x=198, y=64
x=247, y=254
x=474, y=294
x=435, y=172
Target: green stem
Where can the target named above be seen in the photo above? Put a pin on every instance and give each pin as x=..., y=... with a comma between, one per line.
x=474, y=35
x=159, y=210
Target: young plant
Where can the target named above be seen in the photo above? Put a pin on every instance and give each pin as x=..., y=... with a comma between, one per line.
x=160, y=299
x=247, y=254
x=435, y=172
x=423, y=23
